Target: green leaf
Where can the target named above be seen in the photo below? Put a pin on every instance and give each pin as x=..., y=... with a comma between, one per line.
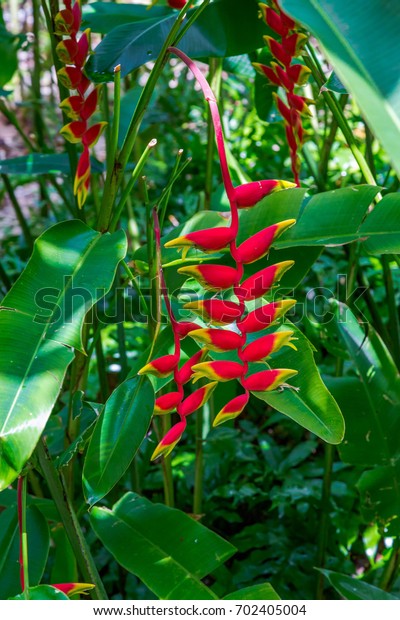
x=382, y=227
x=9, y=45
x=223, y=29
x=72, y=267
x=117, y=436
x=373, y=431
x=364, y=49
x=168, y=550
x=103, y=18
x=38, y=549
x=39, y=163
x=42, y=593
x=334, y=84
x=310, y=404
x=8, y=498
x=355, y=589
x=262, y=592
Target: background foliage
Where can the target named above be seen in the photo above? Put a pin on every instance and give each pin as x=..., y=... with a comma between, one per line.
x=261, y=502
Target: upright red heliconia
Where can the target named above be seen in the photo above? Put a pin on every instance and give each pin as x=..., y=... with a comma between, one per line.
x=227, y=325
x=79, y=107
x=287, y=76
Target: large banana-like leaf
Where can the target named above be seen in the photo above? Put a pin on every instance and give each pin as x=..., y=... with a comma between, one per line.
x=362, y=42
x=168, y=550
x=71, y=268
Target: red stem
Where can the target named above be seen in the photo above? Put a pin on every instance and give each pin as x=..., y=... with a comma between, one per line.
x=216, y=118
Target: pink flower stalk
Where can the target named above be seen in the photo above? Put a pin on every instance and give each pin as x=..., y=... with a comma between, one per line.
x=220, y=312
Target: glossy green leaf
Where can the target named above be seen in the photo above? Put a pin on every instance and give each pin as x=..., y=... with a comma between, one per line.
x=223, y=29
x=262, y=592
x=334, y=84
x=168, y=550
x=103, y=17
x=381, y=228
x=8, y=498
x=38, y=549
x=364, y=49
x=9, y=45
x=355, y=589
x=63, y=568
x=119, y=431
x=309, y=402
x=374, y=419
x=42, y=593
x=40, y=163
x=71, y=268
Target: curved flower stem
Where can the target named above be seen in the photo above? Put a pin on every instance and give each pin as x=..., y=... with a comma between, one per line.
x=23, y=536
x=212, y=102
x=215, y=80
x=113, y=180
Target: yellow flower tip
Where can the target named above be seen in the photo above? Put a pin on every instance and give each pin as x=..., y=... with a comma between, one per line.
x=189, y=270
x=178, y=242
x=284, y=185
x=201, y=334
x=145, y=370
x=163, y=450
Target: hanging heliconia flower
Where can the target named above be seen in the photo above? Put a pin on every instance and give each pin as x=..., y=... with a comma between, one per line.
x=287, y=76
x=236, y=321
x=79, y=107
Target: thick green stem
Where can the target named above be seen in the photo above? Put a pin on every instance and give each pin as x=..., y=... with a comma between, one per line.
x=324, y=518
x=73, y=530
x=10, y=116
x=199, y=465
x=36, y=81
x=18, y=211
x=169, y=495
x=335, y=107
x=135, y=176
x=392, y=567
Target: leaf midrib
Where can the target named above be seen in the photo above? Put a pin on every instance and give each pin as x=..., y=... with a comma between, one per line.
x=151, y=543
x=45, y=328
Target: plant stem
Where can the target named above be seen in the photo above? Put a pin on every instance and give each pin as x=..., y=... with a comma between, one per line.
x=135, y=286
x=101, y=369
x=199, y=465
x=10, y=116
x=324, y=518
x=36, y=81
x=392, y=309
x=23, y=536
x=135, y=176
x=165, y=196
x=73, y=530
x=18, y=211
x=335, y=107
x=391, y=568
x=169, y=495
